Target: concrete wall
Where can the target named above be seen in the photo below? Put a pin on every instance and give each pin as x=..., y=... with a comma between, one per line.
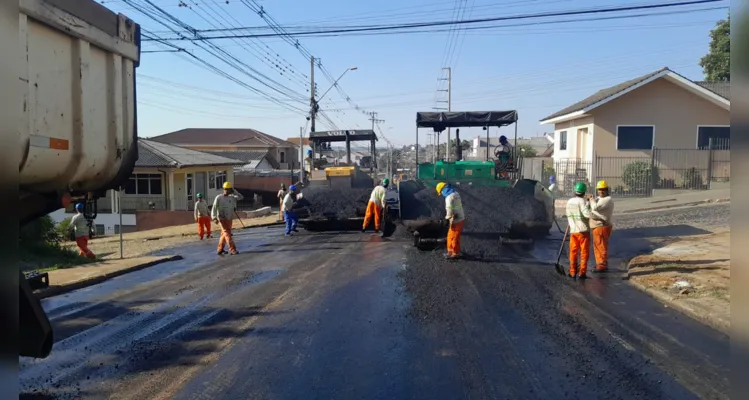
x=109, y=220
x=266, y=186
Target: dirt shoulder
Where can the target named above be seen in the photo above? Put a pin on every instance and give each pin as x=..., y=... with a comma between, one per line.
x=690, y=273
x=136, y=244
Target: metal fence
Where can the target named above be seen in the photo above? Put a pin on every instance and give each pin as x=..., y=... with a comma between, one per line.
x=674, y=169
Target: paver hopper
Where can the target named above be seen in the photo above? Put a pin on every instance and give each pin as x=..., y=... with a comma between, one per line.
x=494, y=196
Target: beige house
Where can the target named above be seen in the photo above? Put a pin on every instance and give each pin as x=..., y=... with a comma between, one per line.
x=168, y=177
x=234, y=140
x=662, y=109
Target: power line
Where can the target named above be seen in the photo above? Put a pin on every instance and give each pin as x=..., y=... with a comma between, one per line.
x=163, y=18
x=410, y=26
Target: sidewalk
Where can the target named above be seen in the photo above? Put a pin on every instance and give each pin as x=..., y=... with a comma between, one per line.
x=691, y=274
x=69, y=279
x=137, y=244
x=625, y=205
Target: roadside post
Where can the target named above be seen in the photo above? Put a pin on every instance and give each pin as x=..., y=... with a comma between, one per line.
x=119, y=211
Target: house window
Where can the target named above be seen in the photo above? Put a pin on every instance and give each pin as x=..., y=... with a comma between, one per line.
x=144, y=184
x=634, y=137
x=211, y=180
x=220, y=179
x=282, y=157
x=563, y=140
x=721, y=136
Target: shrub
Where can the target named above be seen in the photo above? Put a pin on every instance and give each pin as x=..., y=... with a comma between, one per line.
x=39, y=232
x=548, y=172
x=691, y=178
x=63, y=228
x=639, y=175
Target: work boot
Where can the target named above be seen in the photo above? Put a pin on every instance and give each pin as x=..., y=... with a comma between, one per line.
x=582, y=276
x=221, y=252
x=363, y=230
x=600, y=270
x=295, y=230
x=201, y=238
x=234, y=252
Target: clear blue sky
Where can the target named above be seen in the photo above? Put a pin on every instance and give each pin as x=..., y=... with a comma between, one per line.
x=535, y=69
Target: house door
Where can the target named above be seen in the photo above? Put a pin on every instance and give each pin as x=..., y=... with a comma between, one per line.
x=582, y=143
x=200, y=183
x=189, y=192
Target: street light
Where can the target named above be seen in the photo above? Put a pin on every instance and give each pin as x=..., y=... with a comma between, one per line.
x=336, y=81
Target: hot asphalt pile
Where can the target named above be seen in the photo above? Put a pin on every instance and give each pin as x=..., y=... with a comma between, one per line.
x=323, y=202
x=490, y=211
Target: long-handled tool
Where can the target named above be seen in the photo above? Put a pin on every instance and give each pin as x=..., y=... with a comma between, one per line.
x=240, y=219
x=559, y=268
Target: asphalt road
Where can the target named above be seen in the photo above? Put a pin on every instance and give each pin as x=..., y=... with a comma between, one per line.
x=344, y=316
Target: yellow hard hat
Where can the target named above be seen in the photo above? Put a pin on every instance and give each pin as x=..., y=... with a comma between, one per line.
x=227, y=185
x=602, y=185
x=440, y=186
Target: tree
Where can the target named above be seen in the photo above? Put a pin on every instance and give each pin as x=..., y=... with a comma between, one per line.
x=527, y=150
x=716, y=64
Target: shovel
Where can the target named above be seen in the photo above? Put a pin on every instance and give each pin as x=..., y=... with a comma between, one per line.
x=559, y=268
x=240, y=219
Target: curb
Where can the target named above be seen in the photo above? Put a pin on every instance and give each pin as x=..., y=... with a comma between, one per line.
x=668, y=301
x=691, y=204
x=61, y=289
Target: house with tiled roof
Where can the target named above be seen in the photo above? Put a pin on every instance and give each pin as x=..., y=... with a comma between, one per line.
x=169, y=177
x=234, y=140
x=662, y=109
x=166, y=178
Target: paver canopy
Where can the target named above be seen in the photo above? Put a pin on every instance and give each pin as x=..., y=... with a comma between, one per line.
x=439, y=121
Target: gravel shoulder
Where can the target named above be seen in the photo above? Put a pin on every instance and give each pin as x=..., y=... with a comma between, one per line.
x=692, y=274
x=681, y=257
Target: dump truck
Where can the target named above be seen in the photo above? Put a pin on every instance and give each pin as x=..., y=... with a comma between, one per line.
x=78, y=132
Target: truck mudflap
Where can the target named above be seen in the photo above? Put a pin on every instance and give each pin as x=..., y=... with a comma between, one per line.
x=36, y=339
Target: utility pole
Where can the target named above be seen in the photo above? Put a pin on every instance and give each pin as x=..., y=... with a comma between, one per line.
x=373, y=118
x=312, y=101
x=449, y=108
x=301, y=154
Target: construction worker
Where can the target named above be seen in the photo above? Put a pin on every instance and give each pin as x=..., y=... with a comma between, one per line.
x=281, y=194
x=287, y=207
x=376, y=205
x=455, y=216
x=202, y=217
x=578, y=214
x=224, y=208
x=601, y=213
x=80, y=228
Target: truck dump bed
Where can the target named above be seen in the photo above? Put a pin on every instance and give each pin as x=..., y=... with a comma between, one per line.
x=78, y=135
x=78, y=132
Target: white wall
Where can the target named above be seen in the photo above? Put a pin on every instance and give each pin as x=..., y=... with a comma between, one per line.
x=108, y=220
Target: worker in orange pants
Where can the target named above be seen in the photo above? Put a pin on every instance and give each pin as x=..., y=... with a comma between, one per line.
x=601, y=213
x=202, y=217
x=375, y=206
x=222, y=212
x=578, y=215
x=455, y=216
x=80, y=228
